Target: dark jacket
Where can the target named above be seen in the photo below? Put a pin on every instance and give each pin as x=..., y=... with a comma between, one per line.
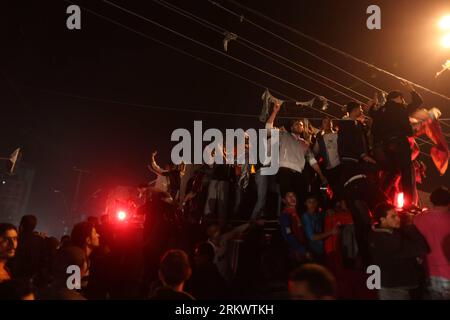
x=30, y=258
x=392, y=119
x=352, y=140
x=60, y=293
x=166, y=293
x=207, y=283
x=396, y=254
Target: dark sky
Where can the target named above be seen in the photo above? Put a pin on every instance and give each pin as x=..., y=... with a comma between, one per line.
x=44, y=65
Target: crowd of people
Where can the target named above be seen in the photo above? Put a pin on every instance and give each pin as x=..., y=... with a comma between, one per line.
x=226, y=231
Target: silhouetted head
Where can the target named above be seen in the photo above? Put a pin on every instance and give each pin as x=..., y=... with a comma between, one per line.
x=396, y=96
x=93, y=220
x=312, y=282
x=354, y=109
x=440, y=197
x=174, y=268
x=84, y=235
x=27, y=224
x=387, y=216
x=65, y=241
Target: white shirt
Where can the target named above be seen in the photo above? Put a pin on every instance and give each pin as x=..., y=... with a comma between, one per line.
x=294, y=151
x=331, y=144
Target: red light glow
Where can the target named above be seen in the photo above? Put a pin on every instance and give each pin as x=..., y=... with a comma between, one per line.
x=399, y=200
x=121, y=215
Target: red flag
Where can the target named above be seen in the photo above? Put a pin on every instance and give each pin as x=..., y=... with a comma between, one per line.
x=439, y=152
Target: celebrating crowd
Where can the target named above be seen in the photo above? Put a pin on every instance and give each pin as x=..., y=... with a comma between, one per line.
x=226, y=231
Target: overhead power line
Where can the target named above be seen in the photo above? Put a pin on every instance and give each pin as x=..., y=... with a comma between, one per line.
x=321, y=43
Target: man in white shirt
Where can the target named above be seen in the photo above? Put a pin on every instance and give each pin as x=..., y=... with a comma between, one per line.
x=294, y=152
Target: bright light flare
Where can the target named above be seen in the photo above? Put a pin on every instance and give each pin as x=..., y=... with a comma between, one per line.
x=444, y=23
x=121, y=215
x=445, y=41
x=400, y=200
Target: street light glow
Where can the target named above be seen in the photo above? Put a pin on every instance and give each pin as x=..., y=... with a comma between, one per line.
x=444, y=23
x=445, y=41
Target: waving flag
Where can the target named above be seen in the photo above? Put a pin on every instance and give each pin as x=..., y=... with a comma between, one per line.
x=425, y=122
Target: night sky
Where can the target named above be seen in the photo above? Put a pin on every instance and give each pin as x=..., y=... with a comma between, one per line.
x=46, y=69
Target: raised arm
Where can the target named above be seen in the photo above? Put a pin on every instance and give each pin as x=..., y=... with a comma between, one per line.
x=182, y=169
x=372, y=106
x=234, y=232
x=271, y=120
x=415, y=103
x=309, y=230
x=154, y=166
x=416, y=99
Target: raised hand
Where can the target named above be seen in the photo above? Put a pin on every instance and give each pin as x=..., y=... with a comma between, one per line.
x=276, y=107
x=407, y=85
